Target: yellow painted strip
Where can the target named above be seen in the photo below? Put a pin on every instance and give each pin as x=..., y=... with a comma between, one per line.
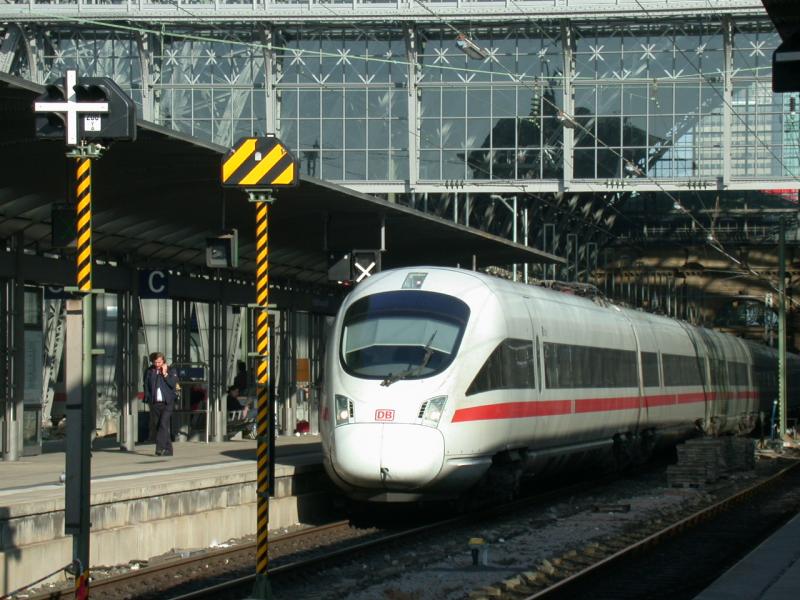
x=285, y=178
x=84, y=238
x=85, y=272
x=83, y=166
x=84, y=220
x=261, y=227
x=85, y=254
x=263, y=167
x=237, y=158
x=83, y=185
x=84, y=203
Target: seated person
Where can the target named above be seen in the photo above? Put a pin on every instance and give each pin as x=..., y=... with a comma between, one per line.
x=232, y=401
x=197, y=397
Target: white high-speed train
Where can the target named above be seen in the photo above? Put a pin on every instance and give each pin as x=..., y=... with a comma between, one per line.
x=438, y=379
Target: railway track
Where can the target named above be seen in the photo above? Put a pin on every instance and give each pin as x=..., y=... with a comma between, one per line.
x=227, y=573
x=670, y=561
x=290, y=554
x=151, y=581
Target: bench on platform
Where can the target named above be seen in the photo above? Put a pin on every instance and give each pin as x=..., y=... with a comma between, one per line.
x=238, y=423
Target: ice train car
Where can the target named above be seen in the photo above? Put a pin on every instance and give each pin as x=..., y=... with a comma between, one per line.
x=440, y=379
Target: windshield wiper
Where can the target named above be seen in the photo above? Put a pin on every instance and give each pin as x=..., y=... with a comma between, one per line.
x=412, y=370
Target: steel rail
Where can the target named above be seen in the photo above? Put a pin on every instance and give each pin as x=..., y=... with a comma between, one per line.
x=108, y=583
x=561, y=586
x=508, y=507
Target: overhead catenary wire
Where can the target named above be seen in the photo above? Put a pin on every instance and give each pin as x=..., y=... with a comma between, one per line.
x=514, y=78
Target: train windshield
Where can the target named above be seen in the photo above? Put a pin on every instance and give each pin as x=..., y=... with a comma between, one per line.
x=402, y=335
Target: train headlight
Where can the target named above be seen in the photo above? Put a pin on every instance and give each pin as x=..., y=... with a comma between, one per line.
x=433, y=411
x=344, y=409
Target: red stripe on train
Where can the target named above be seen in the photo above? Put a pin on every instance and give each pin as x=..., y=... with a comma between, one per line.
x=549, y=408
x=605, y=404
x=513, y=410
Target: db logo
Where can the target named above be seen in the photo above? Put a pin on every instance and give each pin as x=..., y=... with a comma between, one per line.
x=384, y=414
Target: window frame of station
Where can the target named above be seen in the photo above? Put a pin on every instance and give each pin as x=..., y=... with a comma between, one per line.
x=532, y=48
x=364, y=140
x=33, y=309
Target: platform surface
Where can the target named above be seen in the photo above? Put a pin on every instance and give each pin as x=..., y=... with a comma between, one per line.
x=35, y=480
x=770, y=572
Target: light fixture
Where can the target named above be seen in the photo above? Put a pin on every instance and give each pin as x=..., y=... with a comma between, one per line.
x=470, y=48
x=633, y=169
x=566, y=120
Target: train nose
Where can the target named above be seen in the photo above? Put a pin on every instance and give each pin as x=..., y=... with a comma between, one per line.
x=396, y=456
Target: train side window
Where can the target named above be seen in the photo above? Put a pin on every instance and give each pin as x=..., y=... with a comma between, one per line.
x=682, y=370
x=509, y=366
x=717, y=370
x=570, y=366
x=737, y=374
x=650, y=369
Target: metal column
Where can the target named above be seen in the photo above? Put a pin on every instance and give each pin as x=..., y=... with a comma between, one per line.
x=80, y=384
x=128, y=376
x=14, y=360
x=782, y=330
x=217, y=368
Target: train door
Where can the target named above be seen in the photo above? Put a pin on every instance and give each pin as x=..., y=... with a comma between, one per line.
x=716, y=381
x=708, y=358
x=636, y=420
x=522, y=355
x=650, y=379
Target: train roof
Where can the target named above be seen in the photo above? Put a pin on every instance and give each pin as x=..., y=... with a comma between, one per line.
x=567, y=296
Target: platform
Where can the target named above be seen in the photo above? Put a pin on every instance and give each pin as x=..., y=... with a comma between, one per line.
x=770, y=572
x=145, y=505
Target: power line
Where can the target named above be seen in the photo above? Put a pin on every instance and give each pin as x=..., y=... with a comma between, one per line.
x=514, y=78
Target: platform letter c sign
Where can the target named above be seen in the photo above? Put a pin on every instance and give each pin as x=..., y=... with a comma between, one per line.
x=156, y=288
x=153, y=284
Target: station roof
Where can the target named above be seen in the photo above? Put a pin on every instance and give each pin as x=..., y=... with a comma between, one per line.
x=156, y=200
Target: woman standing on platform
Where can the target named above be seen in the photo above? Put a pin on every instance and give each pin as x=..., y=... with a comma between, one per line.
x=159, y=392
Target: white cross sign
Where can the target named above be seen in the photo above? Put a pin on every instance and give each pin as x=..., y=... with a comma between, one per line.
x=71, y=107
x=364, y=272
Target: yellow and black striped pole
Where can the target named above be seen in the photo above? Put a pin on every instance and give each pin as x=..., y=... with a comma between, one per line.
x=84, y=243
x=262, y=586
x=83, y=194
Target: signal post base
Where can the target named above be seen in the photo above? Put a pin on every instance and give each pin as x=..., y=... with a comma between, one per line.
x=262, y=589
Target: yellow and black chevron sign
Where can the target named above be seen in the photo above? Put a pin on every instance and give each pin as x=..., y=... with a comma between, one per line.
x=259, y=162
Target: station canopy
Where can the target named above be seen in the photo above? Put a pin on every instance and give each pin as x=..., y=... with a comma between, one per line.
x=157, y=200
